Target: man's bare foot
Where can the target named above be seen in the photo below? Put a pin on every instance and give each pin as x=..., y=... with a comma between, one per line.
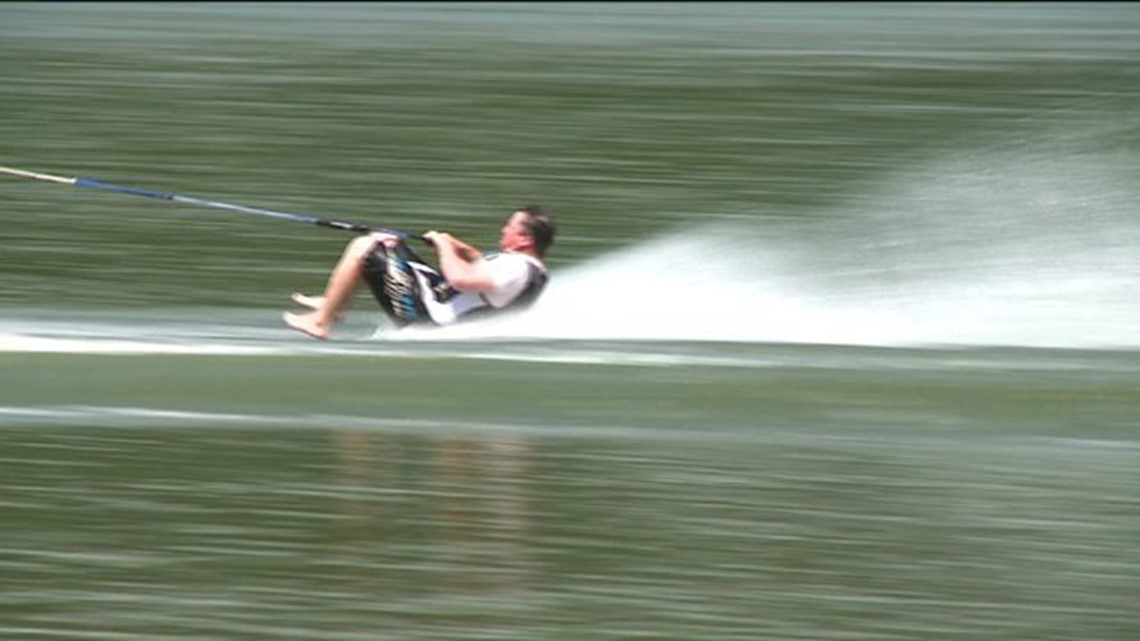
x=307, y=323
x=304, y=300
x=313, y=302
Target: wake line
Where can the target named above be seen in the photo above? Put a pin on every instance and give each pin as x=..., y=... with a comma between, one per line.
x=150, y=418
x=41, y=345
x=488, y=350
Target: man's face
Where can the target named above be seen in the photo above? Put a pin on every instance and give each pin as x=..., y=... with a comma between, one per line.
x=513, y=236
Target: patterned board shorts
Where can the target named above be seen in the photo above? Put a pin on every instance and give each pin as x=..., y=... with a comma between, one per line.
x=391, y=275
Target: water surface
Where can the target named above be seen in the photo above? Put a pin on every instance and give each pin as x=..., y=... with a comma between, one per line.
x=841, y=341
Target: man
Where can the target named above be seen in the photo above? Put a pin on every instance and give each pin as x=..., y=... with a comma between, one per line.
x=467, y=284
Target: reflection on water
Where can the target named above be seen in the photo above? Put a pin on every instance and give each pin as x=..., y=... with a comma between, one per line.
x=471, y=515
x=341, y=533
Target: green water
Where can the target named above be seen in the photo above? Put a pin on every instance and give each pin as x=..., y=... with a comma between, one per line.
x=841, y=341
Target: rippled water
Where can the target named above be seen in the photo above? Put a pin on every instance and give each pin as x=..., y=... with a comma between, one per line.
x=841, y=341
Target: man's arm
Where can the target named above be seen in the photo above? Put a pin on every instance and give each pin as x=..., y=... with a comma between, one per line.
x=460, y=264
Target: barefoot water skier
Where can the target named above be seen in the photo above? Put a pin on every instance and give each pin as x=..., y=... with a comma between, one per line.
x=468, y=284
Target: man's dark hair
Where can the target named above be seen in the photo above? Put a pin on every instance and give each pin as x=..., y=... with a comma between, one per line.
x=540, y=226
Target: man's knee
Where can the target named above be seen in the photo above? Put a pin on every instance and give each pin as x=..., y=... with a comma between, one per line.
x=360, y=247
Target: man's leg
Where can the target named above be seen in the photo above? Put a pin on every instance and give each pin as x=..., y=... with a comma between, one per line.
x=338, y=293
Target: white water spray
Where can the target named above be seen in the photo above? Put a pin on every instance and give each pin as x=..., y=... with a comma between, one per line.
x=1029, y=247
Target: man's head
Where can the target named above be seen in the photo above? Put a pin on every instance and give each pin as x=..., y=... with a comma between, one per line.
x=528, y=229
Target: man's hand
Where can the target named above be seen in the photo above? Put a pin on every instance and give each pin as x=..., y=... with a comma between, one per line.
x=445, y=243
